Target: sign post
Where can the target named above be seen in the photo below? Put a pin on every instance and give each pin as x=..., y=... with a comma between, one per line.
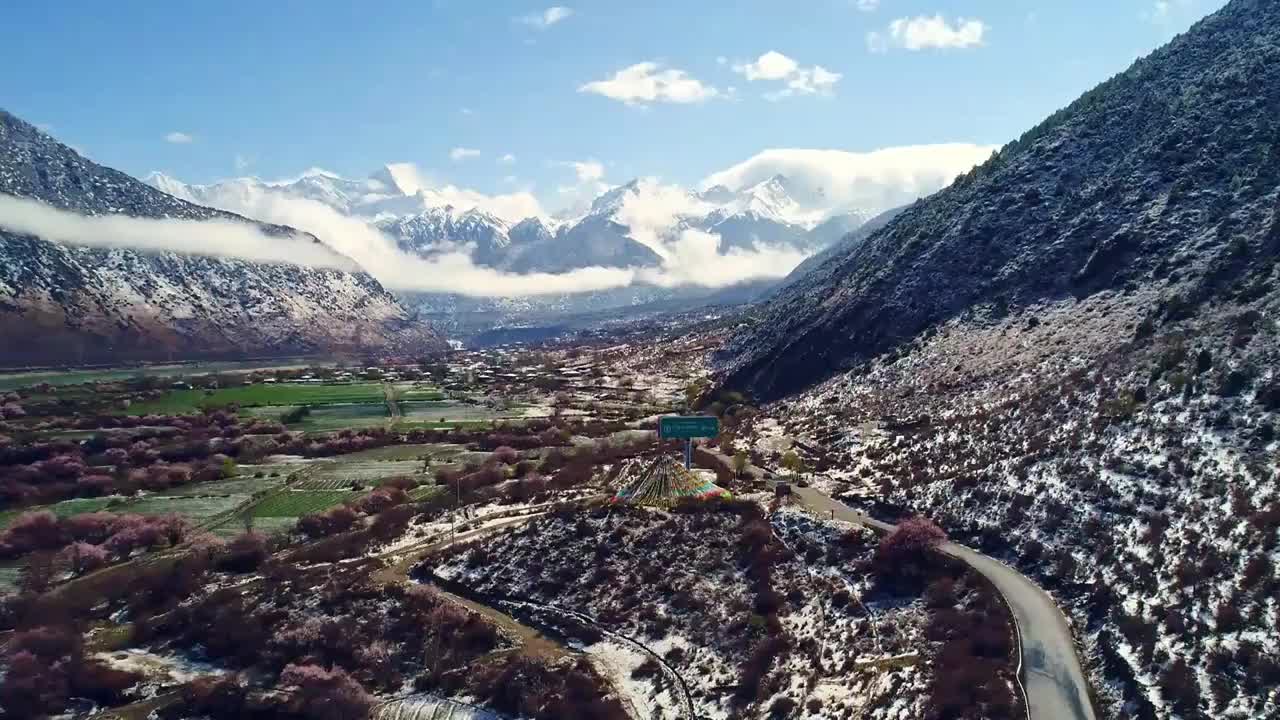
x=688, y=427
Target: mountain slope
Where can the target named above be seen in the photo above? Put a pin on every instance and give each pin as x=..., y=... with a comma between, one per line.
x=842, y=245
x=1069, y=360
x=485, y=237
x=1142, y=170
x=61, y=304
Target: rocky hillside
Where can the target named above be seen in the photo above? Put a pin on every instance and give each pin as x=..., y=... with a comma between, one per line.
x=60, y=303
x=1068, y=359
x=1163, y=177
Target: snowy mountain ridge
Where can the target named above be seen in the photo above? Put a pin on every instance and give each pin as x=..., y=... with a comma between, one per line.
x=430, y=221
x=61, y=302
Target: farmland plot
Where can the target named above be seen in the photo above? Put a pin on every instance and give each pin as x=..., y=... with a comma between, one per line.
x=342, y=475
x=178, y=401
x=296, y=503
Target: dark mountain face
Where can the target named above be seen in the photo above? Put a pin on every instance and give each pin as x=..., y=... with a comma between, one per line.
x=594, y=242
x=428, y=231
x=60, y=303
x=1163, y=177
x=841, y=247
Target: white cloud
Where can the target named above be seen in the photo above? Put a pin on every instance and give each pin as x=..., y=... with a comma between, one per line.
x=648, y=82
x=772, y=65
x=242, y=162
x=797, y=80
x=510, y=179
x=924, y=32
x=722, y=60
x=459, y=154
x=867, y=5
x=588, y=184
x=508, y=159
x=831, y=180
x=693, y=257
x=586, y=170
x=178, y=138
x=546, y=18
x=215, y=238
x=465, y=111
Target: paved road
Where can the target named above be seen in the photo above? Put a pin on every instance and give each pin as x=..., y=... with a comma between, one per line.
x=1055, y=684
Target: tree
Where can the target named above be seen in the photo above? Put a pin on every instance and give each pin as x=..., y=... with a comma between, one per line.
x=906, y=550
x=327, y=694
x=328, y=522
x=740, y=461
x=81, y=557
x=245, y=552
x=793, y=462
x=506, y=455
x=37, y=530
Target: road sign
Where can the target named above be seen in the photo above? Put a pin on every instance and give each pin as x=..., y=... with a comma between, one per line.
x=677, y=427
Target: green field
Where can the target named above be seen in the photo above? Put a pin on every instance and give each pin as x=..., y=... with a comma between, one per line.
x=326, y=418
x=10, y=381
x=417, y=393
x=195, y=509
x=234, y=486
x=185, y=401
x=367, y=473
x=296, y=503
x=67, y=508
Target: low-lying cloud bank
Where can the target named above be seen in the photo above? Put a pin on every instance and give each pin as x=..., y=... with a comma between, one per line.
x=358, y=246
x=876, y=180
x=693, y=259
x=213, y=238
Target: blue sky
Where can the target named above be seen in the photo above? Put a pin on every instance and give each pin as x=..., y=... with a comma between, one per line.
x=272, y=88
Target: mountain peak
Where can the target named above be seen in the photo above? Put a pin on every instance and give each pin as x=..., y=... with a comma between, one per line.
x=401, y=178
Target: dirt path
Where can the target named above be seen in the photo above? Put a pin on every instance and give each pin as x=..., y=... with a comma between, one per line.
x=532, y=642
x=392, y=398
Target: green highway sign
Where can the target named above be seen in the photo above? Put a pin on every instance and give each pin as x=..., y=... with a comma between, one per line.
x=676, y=427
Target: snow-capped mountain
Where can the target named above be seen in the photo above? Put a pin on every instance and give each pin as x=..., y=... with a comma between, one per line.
x=483, y=236
x=91, y=304
x=619, y=229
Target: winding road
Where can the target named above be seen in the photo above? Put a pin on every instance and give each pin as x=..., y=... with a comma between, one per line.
x=1054, y=683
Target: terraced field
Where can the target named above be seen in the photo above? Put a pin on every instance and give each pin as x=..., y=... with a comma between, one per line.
x=196, y=509
x=296, y=503
x=364, y=473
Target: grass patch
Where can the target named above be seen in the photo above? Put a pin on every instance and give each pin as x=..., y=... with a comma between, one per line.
x=296, y=503
x=325, y=418
x=185, y=401
x=422, y=492
x=67, y=508
x=196, y=509
x=417, y=451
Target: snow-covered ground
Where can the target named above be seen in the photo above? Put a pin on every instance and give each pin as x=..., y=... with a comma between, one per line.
x=1138, y=485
